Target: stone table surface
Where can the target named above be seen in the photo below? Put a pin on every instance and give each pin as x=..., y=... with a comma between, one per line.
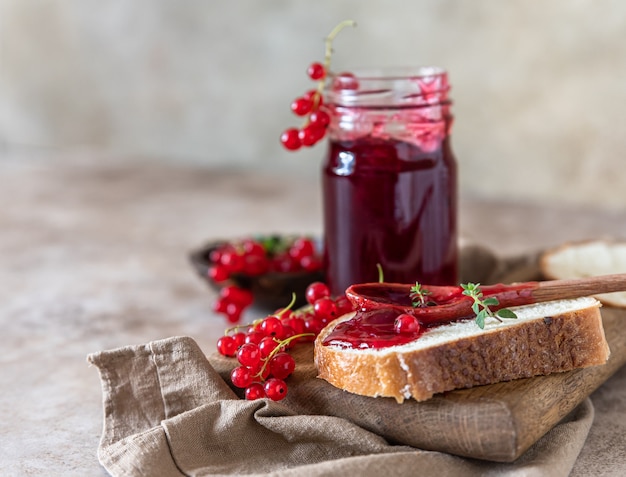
x=94, y=256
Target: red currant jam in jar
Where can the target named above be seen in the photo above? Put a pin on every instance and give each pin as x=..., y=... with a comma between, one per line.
x=390, y=179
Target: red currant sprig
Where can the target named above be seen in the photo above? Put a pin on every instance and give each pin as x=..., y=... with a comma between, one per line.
x=270, y=371
x=261, y=350
x=311, y=103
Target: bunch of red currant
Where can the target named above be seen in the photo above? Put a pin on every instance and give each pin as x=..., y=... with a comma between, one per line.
x=261, y=349
x=251, y=258
x=311, y=105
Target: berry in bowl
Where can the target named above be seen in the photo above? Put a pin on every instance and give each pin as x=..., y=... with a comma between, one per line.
x=265, y=271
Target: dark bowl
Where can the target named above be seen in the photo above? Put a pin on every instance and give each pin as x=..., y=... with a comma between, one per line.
x=271, y=290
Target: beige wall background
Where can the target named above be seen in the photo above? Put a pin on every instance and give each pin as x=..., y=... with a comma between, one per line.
x=539, y=86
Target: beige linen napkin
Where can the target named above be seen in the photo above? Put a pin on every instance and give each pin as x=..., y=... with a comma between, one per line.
x=167, y=412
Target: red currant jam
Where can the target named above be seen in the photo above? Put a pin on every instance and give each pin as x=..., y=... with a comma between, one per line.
x=370, y=330
x=388, y=202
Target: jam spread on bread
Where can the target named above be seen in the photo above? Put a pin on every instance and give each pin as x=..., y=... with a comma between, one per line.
x=378, y=305
x=370, y=329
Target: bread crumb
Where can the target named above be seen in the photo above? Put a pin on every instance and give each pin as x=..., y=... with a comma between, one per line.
x=406, y=391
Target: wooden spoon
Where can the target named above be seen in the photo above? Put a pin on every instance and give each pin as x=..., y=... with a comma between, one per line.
x=446, y=303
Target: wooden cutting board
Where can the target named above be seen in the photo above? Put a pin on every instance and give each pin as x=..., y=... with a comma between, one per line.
x=497, y=422
x=500, y=422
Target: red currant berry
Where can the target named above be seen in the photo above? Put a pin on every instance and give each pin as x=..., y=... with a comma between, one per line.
x=312, y=325
x=282, y=365
x=249, y=355
x=255, y=265
x=319, y=118
x=275, y=389
x=282, y=262
x=255, y=391
x=220, y=305
x=290, y=139
x=235, y=294
x=315, y=97
x=252, y=247
x=240, y=338
x=241, y=377
x=301, y=106
x=311, y=263
x=271, y=326
x=218, y=273
x=232, y=261
x=267, y=345
x=261, y=372
x=311, y=134
x=254, y=337
x=302, y=247
x=288, y=332
x=325, y=308
x=233, y=312
x=345, y=81
x=227, y=346
x=343, y=305
x=283, y=314
x=316, y=71
x=295, y=323
x=315, y=291
x=215, y=254
x=406, y=323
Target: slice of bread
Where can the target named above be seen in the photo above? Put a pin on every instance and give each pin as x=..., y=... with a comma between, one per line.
x=587, y=259
x=545, y=338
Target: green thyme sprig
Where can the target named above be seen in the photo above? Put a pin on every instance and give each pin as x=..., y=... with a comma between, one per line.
x=418, y=295
x=481, y=305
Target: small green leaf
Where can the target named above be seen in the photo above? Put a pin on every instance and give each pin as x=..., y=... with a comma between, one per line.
x=480, y=321
x=506, y=313
x=476, y=307
x=419, y=293
x=490, y=301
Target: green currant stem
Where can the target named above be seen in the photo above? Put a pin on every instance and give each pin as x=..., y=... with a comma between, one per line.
x=278, y=349
x=327, y=56
x=234, y=328
x=329, y=41
x=381, y=276
x=259, y=320
x=291, y=304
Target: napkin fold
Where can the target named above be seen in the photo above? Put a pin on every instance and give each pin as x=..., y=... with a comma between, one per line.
x=168, y=412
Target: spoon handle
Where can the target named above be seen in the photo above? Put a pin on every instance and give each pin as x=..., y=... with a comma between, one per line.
x=573, y=288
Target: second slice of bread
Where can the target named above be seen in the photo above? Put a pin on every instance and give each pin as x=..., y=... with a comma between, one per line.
x=587, y=259
x=545, y=338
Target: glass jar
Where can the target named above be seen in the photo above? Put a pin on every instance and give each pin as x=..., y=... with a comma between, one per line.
x=390, y=179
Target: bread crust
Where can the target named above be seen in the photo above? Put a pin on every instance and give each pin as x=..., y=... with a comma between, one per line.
x=534, y=347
